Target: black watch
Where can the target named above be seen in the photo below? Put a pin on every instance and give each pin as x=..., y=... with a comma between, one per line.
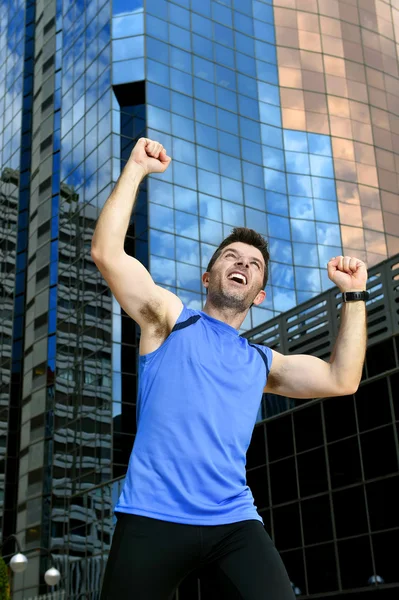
x=354, y=296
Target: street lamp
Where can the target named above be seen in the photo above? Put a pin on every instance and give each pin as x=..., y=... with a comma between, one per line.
x=19, y=562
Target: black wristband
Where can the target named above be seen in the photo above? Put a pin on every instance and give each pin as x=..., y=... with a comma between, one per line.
x=355, y=296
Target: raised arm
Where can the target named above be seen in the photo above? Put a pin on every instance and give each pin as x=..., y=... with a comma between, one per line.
x=130, y=282
x=303, y=376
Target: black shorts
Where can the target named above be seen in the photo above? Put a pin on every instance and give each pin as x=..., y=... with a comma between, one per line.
x=150, y=558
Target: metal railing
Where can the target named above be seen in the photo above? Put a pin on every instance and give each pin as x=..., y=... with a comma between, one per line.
x=312, y=327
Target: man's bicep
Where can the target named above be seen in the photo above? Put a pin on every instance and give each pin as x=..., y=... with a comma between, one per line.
x=301, y=376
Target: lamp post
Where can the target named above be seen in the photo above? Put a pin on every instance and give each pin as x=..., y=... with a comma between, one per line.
x=19, y=562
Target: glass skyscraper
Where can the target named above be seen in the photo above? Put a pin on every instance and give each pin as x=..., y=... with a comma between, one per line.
x=280, y=115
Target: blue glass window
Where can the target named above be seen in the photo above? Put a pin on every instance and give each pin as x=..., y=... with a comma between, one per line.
x=244, y=43
x=158, y=119
x=226, y=99
x=185, y=200
x=157, y=28
x=326, y=210
x=210, y=207
x=204, y=69
x=262, y=11
x=279, y=227
x=246, y=64
x=161, y=217
x=202, y=6
x=223, y=35
x=230, y=167
x=126, y=48
x=157, y=7
x=248, y=107
x=254, y=219
x=187, y=250
x=253, y=174
x=186, y=225
x=319, y=144
x=243, y=23
x=273, y=158
x=266, y=52
x=264, y=32
x=297, y=162
x=157, y=50
x=184, y=175
x=162, y=243
x=180, y=37
x=247, y=86
x=122, y=6
x=207, y=252
x=211, y=231
x=161, y=192
x=299, y=185
x=231, y=190
x=179, y=16
x=188, y=276
x=307, y=279
x=181, y=82
x=277, y=203
x=301, y=208
x=250, y=129
x=267, y=72
x=224, y=56
x=295, y=141
x=268, y=93
x=204, y=90
x=328, y=234
x=222, y=14
x=275, y=180
x=158, y=96
x=229, y=144
x=128, y=70
x=233, y=213
x=254, y=196
x=201, y=25
x=251, y=151
x=282, y=275
x=272, y=136
x=321, y=166
x=163, y=270
x=128, y=25
x=180, y=59
x=324, y=188
x=206, y=136
x=225, y=77
x=243, y=6
x=183, y=127
x=184, y=151
x=208, y=183
x=305, y=255
x=205, y=113
x=208, y=159
x=181, y=104
x=303, y=231
x=270, y=114
x=227, y=121
x=280, y=250
x=202, y=46
x=157, y=72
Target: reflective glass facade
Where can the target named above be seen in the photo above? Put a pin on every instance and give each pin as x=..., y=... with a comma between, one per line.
x=281, y=116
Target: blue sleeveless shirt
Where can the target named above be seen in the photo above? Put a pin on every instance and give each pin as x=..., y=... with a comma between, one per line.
x=198, y=400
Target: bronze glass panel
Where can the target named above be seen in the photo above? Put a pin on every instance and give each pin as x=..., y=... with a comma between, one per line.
x=371, y=40
x=309, y=5
x=355, y=71
x=378, y=98
x=347, y=192
x=309, y=41
x=375, y=78
x=392, y=245
x=374, y=259
x=285, y=17
x=349, y=13
x=390, y=202
x=360, y=254
x=292, y=98
x=341, y=127
x=338, y=106
x=369, y=196
x=288, y=57
x=329, y=8
x=367, y=175
x=345, y=169
x=390, y=65
x=311, y=61
x=290, y=77
x=338, y=86
x=334, y=66
x=317, y=123
x=308, y=22
x=380, y=118
x=391, y=223
x=351, y=33
x=388, y=181
x=385, y=160
x=352, y=237
x=382, y=138
x=375, y=241
x=357, y=91
x=343, y=149
x=364, y=153
x=362, y=132
x=286, y=36
x=372, y=219
x=373, y=58
x=313, y=82
x=350, y=214
x=353, y=51
x=368, y=19
x=333, y=45
x=315, y=102
x=294, y=119
x=330, y=27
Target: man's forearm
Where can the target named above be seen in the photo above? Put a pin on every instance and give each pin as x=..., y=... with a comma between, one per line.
x=348, y=355
x=109, y=235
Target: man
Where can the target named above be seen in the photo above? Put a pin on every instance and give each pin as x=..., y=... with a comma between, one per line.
x=185, y=503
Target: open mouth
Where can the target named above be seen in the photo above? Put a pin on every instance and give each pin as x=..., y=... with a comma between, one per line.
x=238, y=278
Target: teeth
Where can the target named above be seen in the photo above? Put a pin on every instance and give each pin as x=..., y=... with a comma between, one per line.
x=238, y=276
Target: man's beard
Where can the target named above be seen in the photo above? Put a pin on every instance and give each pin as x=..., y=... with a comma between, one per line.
x=221, y=300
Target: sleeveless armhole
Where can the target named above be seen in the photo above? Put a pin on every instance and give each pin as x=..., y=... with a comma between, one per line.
x=266, y=355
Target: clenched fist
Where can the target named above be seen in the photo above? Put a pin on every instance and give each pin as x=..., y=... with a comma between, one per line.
x=150, y=155
x=348, y=273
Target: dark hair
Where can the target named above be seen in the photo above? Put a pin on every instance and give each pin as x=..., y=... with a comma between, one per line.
x=246, y=236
